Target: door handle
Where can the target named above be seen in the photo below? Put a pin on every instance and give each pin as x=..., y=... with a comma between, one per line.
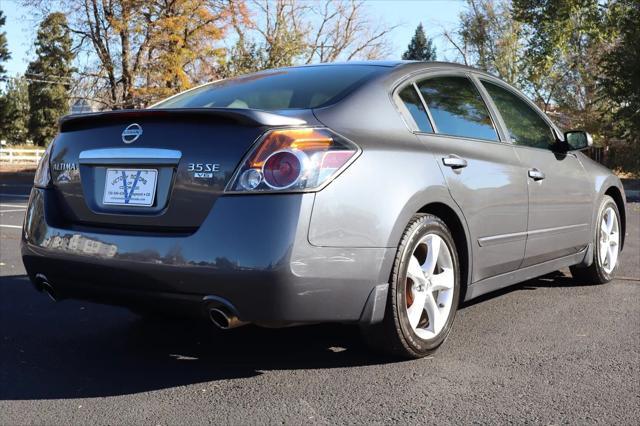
x=454, y=161
x=536, y=174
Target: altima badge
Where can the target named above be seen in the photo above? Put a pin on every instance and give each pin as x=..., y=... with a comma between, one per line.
x=61, y=167
x=131, y=133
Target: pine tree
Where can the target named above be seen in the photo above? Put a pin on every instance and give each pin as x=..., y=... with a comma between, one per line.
x=4, y=50
x=49, y=76
x=14, y=111
x=421, y=48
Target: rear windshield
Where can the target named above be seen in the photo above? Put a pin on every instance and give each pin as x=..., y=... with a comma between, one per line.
x=290, y=88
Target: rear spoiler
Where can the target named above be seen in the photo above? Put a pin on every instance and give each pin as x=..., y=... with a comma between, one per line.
x=245, y=117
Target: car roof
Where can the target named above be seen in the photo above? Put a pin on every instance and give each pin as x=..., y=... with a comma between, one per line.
x=378, y=63
x=402, y=66
x=411, y=66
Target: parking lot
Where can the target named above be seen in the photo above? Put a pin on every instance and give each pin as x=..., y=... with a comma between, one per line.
x=549, y=350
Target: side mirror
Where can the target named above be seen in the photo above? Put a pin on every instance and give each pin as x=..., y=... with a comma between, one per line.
x=578, y=139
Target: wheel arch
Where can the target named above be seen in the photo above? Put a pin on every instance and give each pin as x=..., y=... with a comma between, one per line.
x=457, y=226
x=614, y=192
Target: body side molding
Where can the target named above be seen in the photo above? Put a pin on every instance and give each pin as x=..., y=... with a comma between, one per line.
x=506, y=238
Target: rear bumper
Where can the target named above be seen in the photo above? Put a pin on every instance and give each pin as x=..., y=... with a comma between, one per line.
x=251, y=251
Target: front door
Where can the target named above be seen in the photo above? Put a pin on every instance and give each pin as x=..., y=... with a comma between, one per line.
x=559, y=199
x=559, y=205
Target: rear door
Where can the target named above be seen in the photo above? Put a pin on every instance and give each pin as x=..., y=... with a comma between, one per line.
x=559, y=195
x=483, y=173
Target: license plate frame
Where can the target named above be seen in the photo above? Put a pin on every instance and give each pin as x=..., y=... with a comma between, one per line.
x=130, y=187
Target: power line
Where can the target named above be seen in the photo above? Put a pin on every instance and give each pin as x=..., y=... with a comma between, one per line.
x=36, y=80
x=47, y=76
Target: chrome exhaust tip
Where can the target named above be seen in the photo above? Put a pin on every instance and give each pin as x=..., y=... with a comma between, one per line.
x=224, y=320
x=222, y=314
x=219, y=318
x=43, y=285
x=49, y=291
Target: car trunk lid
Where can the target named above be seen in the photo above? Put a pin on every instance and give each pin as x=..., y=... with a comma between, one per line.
x=178, y=161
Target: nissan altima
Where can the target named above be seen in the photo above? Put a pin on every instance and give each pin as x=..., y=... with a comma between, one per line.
x=383, y=194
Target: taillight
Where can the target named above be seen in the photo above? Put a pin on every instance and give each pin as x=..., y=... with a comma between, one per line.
x=283, y=169
x=302, y=159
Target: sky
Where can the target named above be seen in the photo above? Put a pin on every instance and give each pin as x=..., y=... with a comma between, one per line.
x=434, y=14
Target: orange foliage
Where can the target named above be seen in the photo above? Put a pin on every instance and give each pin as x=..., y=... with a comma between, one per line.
x=184, y=43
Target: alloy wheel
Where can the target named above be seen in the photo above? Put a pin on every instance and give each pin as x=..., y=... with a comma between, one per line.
x=430, y=286
x=609, y=241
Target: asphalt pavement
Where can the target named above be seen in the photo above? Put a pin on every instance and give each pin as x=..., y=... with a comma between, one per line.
x=547, y=351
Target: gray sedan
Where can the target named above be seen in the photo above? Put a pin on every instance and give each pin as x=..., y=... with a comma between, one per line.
x=378, y=193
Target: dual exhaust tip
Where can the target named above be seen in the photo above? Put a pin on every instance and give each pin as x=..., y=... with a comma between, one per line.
x=221, y=313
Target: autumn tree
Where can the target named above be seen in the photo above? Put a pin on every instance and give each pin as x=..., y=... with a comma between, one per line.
x=183, y=44
x=146, y=49
x=289, y=32
x=49, y=78
x=4, y=49
x=420, y=48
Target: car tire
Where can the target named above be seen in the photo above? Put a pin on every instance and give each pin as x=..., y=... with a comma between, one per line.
x=407, y=330
x=607, y=235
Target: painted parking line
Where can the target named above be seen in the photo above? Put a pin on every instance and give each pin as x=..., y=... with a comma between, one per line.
x=13, y=195
x=11, y=226
x=12, y=211
x=16, y=206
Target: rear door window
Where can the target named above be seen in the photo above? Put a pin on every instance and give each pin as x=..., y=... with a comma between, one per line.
x=526, y=127
x=457, y=107
x=412, y=102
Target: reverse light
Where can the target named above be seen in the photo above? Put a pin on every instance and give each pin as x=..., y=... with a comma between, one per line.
x=43, y=174
x=301, y=159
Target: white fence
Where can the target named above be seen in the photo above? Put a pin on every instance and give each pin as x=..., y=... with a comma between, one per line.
x=20, y=156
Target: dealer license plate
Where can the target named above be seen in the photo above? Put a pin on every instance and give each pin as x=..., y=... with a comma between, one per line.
x=130, y=187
